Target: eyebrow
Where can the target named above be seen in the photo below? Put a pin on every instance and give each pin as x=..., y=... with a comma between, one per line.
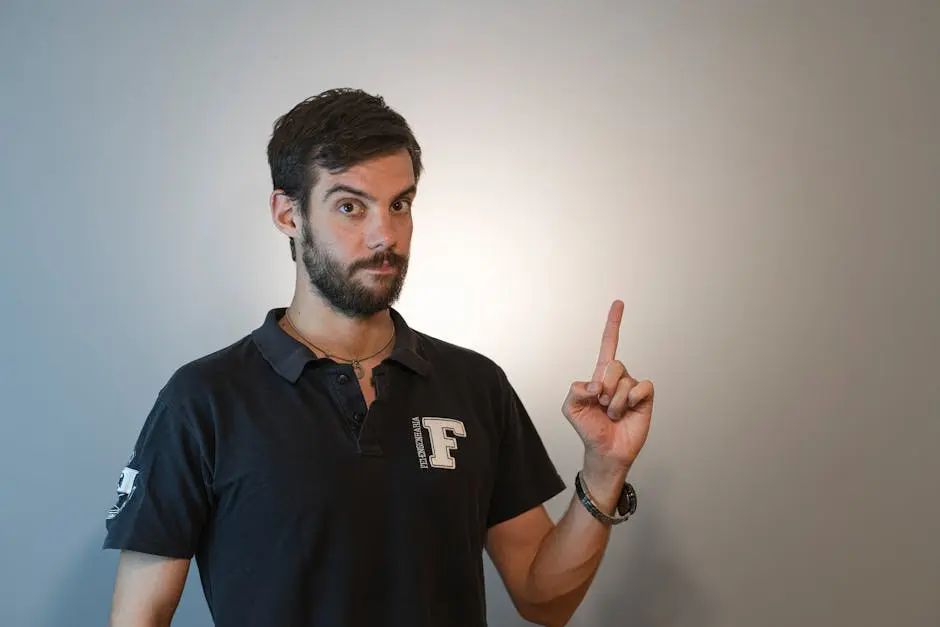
x=339, y=187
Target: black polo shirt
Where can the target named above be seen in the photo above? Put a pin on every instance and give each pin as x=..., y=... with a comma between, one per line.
x=302, y=508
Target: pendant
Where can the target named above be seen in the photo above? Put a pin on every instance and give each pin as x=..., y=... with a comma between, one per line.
x=357, y=367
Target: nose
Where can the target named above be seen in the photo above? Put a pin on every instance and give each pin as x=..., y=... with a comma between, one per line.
x=381, y=231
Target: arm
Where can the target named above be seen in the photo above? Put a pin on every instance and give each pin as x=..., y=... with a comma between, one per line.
x=147, y=590
x=164, y=500
x=548, y=568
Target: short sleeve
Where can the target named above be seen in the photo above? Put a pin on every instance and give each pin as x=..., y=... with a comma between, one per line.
x=163, y=493
x=525, y=474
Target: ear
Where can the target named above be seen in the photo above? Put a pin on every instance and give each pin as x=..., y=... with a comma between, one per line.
x=284, y=213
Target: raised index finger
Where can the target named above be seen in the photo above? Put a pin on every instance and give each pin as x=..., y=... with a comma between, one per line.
x=609, y=339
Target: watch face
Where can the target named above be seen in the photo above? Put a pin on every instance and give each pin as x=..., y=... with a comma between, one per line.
x=626, y=505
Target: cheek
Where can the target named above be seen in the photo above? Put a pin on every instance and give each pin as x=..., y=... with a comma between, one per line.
x=333, y=250
x=338, y=241
x=404, y=235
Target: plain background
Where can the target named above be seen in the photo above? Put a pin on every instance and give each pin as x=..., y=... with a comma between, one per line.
x=759, y=181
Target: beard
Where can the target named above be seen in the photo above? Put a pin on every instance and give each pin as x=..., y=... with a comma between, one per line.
x=339, y=286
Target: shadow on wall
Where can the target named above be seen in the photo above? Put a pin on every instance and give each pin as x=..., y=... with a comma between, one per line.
x=83, y=595
x=642, y=582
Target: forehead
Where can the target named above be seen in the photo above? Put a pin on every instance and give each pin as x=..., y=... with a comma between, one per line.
x=380, y=176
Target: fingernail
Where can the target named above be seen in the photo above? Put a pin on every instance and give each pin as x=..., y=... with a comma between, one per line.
x=593, y=387
x=604, y=399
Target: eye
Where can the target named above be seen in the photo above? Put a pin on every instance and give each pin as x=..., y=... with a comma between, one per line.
x=403, y=204
x=348, y=207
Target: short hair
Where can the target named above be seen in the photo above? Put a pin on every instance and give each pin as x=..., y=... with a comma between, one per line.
x=334, y=130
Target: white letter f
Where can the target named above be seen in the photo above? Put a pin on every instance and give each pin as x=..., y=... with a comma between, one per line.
x=441, y=443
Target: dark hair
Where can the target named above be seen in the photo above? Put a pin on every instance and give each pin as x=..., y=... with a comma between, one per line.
x=334, y=130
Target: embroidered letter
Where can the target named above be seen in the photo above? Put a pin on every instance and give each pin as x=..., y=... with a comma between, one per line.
x=441, y=431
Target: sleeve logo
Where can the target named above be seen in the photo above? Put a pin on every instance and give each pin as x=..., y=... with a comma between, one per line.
x=127, y=484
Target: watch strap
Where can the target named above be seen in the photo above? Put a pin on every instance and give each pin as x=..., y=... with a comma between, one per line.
x=626, y=504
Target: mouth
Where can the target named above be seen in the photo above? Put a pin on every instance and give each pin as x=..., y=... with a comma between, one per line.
x=385, y=268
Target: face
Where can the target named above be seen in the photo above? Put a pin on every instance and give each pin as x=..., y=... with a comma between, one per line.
x=355, y=238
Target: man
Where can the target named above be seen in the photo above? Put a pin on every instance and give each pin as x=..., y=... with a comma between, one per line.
x=335, y=466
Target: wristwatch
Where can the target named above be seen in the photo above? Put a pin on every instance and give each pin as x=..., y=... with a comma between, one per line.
x=626, y=504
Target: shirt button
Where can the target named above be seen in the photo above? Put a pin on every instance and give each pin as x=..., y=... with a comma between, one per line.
x=343, y=379
x=358, y=416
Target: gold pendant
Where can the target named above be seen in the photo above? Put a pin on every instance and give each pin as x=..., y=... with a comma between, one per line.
x=358, y=368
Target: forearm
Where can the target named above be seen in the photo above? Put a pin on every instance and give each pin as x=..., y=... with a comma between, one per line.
x=571, y=553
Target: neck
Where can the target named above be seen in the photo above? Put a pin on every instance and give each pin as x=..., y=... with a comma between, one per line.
x=341, y=336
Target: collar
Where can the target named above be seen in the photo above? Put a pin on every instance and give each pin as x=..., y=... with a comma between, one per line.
x=289, y=357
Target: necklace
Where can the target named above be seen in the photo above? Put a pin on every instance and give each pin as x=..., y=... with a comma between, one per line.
x=356, y=363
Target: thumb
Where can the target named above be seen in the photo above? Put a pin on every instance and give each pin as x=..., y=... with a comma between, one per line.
x=583, y=392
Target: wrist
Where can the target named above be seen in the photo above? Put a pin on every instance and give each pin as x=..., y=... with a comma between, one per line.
x=604, y=480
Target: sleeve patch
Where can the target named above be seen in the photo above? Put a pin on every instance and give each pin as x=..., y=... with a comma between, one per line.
x=127, y=484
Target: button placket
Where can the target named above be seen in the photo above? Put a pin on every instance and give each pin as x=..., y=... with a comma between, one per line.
x=349, y=400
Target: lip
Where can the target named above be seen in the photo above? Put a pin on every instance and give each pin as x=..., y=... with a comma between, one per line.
x=385, y=269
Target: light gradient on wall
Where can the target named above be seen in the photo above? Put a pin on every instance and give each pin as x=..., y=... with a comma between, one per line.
x=756, y=180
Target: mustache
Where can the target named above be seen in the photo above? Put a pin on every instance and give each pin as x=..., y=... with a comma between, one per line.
x=394, y=260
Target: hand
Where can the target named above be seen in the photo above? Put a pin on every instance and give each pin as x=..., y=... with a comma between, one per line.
x=612, y=411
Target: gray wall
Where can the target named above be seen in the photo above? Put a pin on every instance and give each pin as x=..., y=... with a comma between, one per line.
x=759, y=181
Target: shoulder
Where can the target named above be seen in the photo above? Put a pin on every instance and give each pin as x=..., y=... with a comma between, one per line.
x=210, y=375
x=469, y=371
x=461, y=359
